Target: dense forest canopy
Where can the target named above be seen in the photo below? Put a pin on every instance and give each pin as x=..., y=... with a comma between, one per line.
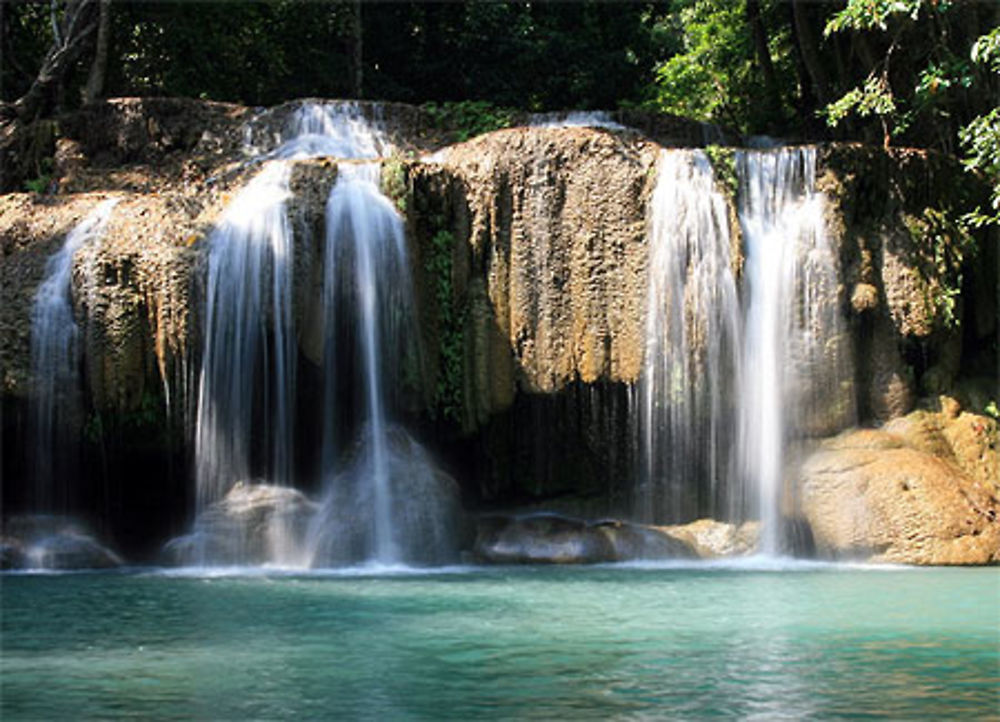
x=915, y=72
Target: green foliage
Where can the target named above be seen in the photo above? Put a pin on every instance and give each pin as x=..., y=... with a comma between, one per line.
x=947, y=246
x=871, y=14
x=533, y=56
x=986, y=50
x=723, y=162
x=922, y=84
x=981, y=140
x=395, y=182
x=873, y=98
x=26, y=36
x=41, y=183
x=992, y=410
x=712, y=73
x=981, y=137
x=259, y=52
x=713, y=51
x=469, y=118
x=448, y=394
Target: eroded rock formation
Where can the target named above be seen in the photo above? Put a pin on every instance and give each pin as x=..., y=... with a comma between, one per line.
x=923, y=489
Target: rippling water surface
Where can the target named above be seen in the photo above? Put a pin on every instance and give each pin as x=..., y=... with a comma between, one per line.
x=513, y=643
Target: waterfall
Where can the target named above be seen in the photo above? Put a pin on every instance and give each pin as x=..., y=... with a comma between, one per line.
x=244, y=425
x=247, y=391
x=55, y=362
x=691, y=369
x=367, y=287
x=793, y=326
x=575, y=119
x=247, y=377
x=731, y=376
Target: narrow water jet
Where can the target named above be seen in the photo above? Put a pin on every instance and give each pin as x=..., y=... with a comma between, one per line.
x=247, y=377
x=368, y=303
x=55, y=363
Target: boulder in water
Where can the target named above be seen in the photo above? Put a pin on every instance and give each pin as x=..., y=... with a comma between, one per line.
x=253, y=524
x=912, y=492
x=711, y=539
x=51, y=542
x=554, y=539
x=424, y=518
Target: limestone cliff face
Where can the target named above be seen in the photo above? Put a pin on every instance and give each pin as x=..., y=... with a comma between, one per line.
x=907, y=269
x=551, y=257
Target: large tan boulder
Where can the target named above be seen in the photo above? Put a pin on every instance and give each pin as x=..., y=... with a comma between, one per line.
x=922, y=490
x=712, y=539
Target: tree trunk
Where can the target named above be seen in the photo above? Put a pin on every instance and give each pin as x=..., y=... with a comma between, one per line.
x=809, y=47
x=805, y=101
x=72, y=35
x=759, y=33
x=98, y=69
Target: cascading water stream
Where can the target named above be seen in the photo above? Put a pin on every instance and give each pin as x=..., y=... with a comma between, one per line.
x=247, y=391
x=366, y=278
x=244, y=425
x=792, y=351
x=55, y=363
x=729, y=378
x=248, y=287
x=691, y=369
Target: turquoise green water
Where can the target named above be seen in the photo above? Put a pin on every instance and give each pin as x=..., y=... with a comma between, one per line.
x=527, y=643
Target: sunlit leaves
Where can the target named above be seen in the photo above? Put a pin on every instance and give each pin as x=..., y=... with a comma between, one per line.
x=873, y=14
x=986, y=50
x=981, y=140
x=873, y=98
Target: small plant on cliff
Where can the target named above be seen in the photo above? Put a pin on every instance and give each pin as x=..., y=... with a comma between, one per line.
x=723, y=162
x=451, y=342
x=395, y=183
x=41, y=183
x=946, y=246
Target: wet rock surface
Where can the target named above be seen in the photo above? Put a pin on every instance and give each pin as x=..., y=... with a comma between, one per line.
x=252, y=524
x=553, y=539
x=712, y=539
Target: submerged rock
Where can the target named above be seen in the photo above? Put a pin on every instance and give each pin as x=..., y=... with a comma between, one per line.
x=253, y=524
x=425, y=521
x=922, y=490
x=52, y=543
x=554, y=539
x=711, y=539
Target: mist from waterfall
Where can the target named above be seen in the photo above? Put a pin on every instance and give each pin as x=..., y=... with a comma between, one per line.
x=730, y=376
x=55, y=365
